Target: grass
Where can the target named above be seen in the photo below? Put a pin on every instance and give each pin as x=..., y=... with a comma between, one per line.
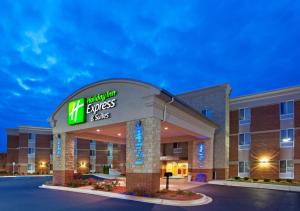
x=267, y=181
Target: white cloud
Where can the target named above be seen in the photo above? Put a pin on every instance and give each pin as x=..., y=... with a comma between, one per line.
x=22, y=85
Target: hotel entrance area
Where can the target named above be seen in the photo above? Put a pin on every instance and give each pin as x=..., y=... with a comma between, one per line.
x=150, y=131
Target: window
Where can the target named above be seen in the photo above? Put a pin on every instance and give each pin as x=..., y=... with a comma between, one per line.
x=244, y=140
x=287, y=137
x=244, y=167
x=31, y=151
x=175, y=145
x=31, y=136
x=92, y=152
x=30, y=168
x=287, y=110
x=245, y=115
x=286, y=169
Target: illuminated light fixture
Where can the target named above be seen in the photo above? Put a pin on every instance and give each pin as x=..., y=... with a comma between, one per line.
x=286, y=140
x=43, y=164
x=119, y=134
x=166, y=128
x=82, y=164
x=264, y=160
x=98, y=130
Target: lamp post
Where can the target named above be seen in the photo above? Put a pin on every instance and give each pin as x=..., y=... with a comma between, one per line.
x=14, y=163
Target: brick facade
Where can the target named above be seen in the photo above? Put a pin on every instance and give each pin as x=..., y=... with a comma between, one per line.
x=233, y=148
x=297, y=113
x=234, y=122
x=265, y=118
x=265, y=146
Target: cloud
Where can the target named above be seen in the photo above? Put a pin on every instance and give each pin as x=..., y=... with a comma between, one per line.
x=51, y=48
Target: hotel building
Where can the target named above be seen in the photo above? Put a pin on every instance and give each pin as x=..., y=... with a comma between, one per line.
x=143, y=131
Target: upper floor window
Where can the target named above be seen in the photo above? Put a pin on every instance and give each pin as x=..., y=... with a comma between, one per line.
x=93, y=144
x=287, y=110
x=31, y=151
x=92, y=153
x=287, y=137
x=244, y=140
x=244, y=115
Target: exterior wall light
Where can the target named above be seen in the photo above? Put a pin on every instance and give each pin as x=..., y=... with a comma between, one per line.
x=82, y=164
x=264, y=162
x=166, y=128
x=43, y=164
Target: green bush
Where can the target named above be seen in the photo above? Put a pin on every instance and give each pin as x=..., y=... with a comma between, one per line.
x=267, y=180
x=289, y=180
x=164, y=191
x=189, y=193
x=237, y=178
x=179, y=192
x=278, y=180
x=255, y=179
x=246, y=178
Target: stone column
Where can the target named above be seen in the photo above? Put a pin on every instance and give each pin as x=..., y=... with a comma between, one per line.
x=63, y=159
x=203, y=165
x=143, y=174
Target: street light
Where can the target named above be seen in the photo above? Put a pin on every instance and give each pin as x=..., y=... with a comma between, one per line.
x=13, y=163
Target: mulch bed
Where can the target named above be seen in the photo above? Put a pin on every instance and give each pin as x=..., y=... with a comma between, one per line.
x=172, y=195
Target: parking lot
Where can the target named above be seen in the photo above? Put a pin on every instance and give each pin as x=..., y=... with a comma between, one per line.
x=23, y=194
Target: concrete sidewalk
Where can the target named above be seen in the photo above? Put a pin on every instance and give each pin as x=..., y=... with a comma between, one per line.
x=256, y=185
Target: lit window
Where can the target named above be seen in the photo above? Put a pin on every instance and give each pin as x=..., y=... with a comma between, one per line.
x=287, y=137
x=244, y=140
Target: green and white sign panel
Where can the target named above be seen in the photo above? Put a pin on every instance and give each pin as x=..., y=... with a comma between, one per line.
x=92, y=108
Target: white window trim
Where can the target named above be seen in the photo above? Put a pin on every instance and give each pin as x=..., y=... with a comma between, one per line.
x=244, y=173
x=280, y=142
x=287, y=116
x=244, y=146
x=244, y=121
x=286, y=175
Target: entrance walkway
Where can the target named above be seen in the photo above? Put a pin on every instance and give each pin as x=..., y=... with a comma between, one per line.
x=181, y=184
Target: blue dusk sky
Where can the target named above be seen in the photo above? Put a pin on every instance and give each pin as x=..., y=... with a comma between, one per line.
x=48, y=49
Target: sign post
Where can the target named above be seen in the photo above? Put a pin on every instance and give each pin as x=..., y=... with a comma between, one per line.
x=168, y=175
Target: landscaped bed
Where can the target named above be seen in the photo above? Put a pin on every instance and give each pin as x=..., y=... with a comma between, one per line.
x=115, y=186
x=289, y=182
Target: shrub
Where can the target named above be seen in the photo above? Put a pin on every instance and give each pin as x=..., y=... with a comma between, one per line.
x=289, y=180
x=140, y=192
x=108, y=187
x=255, y=179
x=189, y=193
x=179, y=192
x=246, y=178
x=164, y=191
x=278, y=180
x=267, y=180
x=91, y=181
x=237, y=178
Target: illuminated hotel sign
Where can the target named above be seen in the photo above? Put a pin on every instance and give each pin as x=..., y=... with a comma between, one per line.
x=201, y=153
x=94, y=107
x=138, y=136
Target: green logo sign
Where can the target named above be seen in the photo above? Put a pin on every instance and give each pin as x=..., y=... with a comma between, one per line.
x=76, y=111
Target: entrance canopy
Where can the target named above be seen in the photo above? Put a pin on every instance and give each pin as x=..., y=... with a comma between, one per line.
x=108, y=105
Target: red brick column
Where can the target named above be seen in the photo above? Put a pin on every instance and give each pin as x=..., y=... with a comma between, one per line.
x=63, y=162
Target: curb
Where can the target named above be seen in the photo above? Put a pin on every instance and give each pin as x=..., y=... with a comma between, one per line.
x=25, y=176
x=257, y=185
x=204, y=200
